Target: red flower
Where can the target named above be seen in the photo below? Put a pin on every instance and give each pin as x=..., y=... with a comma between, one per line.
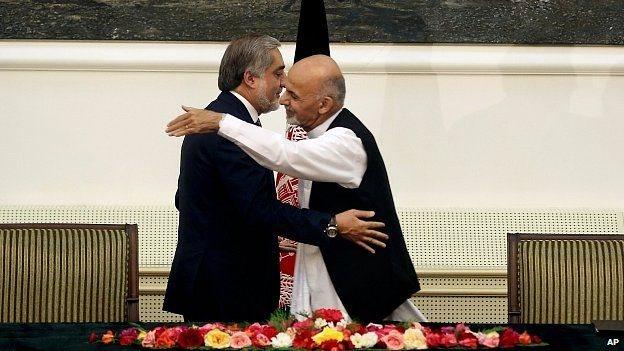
x=468, y=340
x=536, y=339
x=524, y=339
x=93, y=337
x=433, y=339
x=127, y=336
x=158, y=331
x=328, y=314
x=303, y=340
x=190, y=338
x=260, y=340
x=331, y=345
x=447, y=330
x=257, y=328
x=166, y=338
x=269, y=331
x=509, y=338
x=175, y=332
x=448, y=340
x=372, y=327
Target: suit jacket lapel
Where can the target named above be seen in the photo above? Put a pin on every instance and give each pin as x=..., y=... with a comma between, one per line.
x=241, y=111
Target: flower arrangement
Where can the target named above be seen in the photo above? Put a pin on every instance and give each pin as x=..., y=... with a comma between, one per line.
x=325, y=330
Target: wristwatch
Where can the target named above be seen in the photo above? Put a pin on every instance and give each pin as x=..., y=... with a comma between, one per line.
x=332, y=228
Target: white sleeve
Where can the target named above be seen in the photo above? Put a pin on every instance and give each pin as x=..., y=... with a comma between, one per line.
x=337, y=156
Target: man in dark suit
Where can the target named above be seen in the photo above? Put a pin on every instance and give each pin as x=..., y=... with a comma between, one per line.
x=341, y=167
x=226, y=265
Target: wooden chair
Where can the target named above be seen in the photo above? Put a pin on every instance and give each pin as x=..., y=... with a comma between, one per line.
x=565, y=278
x=68, y=273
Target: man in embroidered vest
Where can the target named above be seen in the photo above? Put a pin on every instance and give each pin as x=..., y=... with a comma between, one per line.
x=225, y=266
x=344, y=169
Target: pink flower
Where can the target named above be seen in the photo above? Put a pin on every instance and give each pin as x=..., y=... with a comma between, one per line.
x=150, y=340
x=393, y=340
x=389, y=327
x=239, y=340
x=489, y=340
x=305, y=324
x=127, y=336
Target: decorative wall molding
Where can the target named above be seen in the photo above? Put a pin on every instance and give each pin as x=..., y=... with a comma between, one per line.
x=353, y=58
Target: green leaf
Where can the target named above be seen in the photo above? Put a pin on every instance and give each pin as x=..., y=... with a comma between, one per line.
x=281, y=319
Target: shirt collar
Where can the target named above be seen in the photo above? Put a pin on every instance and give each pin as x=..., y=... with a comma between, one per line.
x=252, y=111
x=322, y=128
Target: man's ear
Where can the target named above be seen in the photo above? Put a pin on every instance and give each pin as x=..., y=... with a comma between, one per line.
x=327, y=103
x=249, y=79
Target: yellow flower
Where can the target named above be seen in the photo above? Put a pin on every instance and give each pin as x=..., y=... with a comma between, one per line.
x=217, y=339
x=328, y=334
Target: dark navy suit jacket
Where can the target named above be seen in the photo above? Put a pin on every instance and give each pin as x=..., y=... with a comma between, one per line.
x=226, y=264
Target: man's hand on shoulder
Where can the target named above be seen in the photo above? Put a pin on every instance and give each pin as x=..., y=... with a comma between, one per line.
x=193, y=121
x=361, y=232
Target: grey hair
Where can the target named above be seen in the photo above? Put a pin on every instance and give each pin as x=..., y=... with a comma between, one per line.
x=250, y=53
x=335, y=88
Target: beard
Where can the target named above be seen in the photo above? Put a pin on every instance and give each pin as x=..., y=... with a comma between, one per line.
x=292, y=120
x=264, y=103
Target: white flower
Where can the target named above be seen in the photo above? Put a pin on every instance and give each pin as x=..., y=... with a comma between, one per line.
x=356, y=340
x=281, y=341
x=343, y=323
x=320, y=323
x=367, y=340
x=414, y=339
x=370, y=339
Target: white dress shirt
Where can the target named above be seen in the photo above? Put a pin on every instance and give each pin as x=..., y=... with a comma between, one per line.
x=252, y=110
x=336, y=155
